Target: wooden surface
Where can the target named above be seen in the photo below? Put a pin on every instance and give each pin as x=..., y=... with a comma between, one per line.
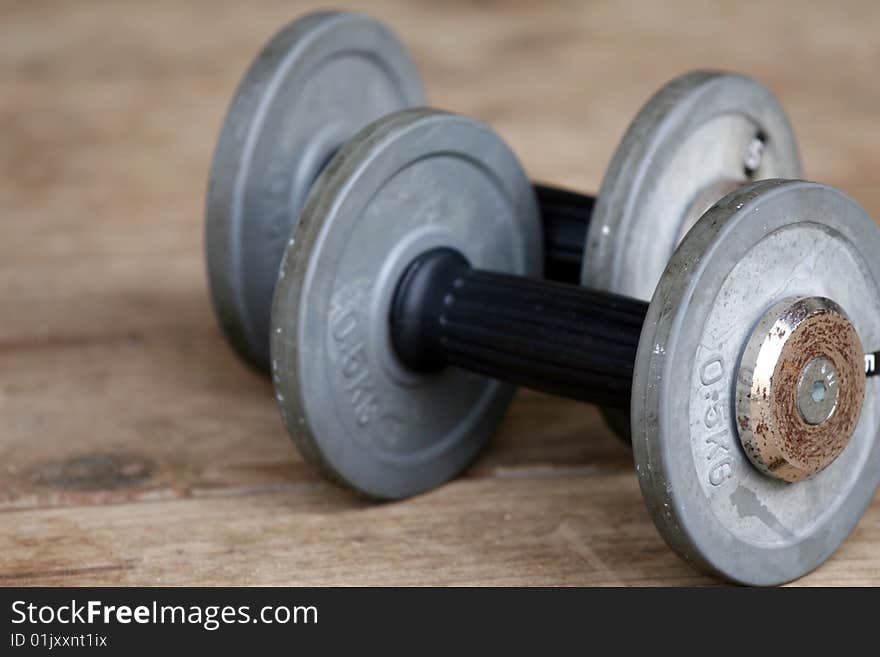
x=136, y=449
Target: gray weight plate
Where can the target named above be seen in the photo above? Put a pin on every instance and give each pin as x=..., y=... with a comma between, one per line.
x=701, y=136
x=314, y=85
x=410, y=182
x=768, y=241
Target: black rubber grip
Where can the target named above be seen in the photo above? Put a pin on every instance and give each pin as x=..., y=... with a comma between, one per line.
x=566, y=217
x=561, y=339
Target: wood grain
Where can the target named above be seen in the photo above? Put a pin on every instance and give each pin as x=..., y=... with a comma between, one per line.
x=135, y=448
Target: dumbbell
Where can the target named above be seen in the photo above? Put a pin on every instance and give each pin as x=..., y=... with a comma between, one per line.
x=327, y=75
x=326, y=385
x=404, y=312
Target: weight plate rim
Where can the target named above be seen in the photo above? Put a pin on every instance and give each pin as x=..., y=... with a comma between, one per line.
x=240, y=129
x=677, y=106
x=297, y=276
x=666, y=490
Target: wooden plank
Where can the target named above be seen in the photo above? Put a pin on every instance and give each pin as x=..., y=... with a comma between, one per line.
x=488, y=531
x=573, y=530
x=135, y=448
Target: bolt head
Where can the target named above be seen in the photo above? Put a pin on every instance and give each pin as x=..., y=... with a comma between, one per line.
x=755, y=154
x=800, y=388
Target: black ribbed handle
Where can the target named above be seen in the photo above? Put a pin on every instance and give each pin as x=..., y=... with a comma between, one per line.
x=566, y=217
x=553, y=337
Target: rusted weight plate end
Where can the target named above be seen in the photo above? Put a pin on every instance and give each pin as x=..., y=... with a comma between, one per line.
x=765, y=258
x=800, y=389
